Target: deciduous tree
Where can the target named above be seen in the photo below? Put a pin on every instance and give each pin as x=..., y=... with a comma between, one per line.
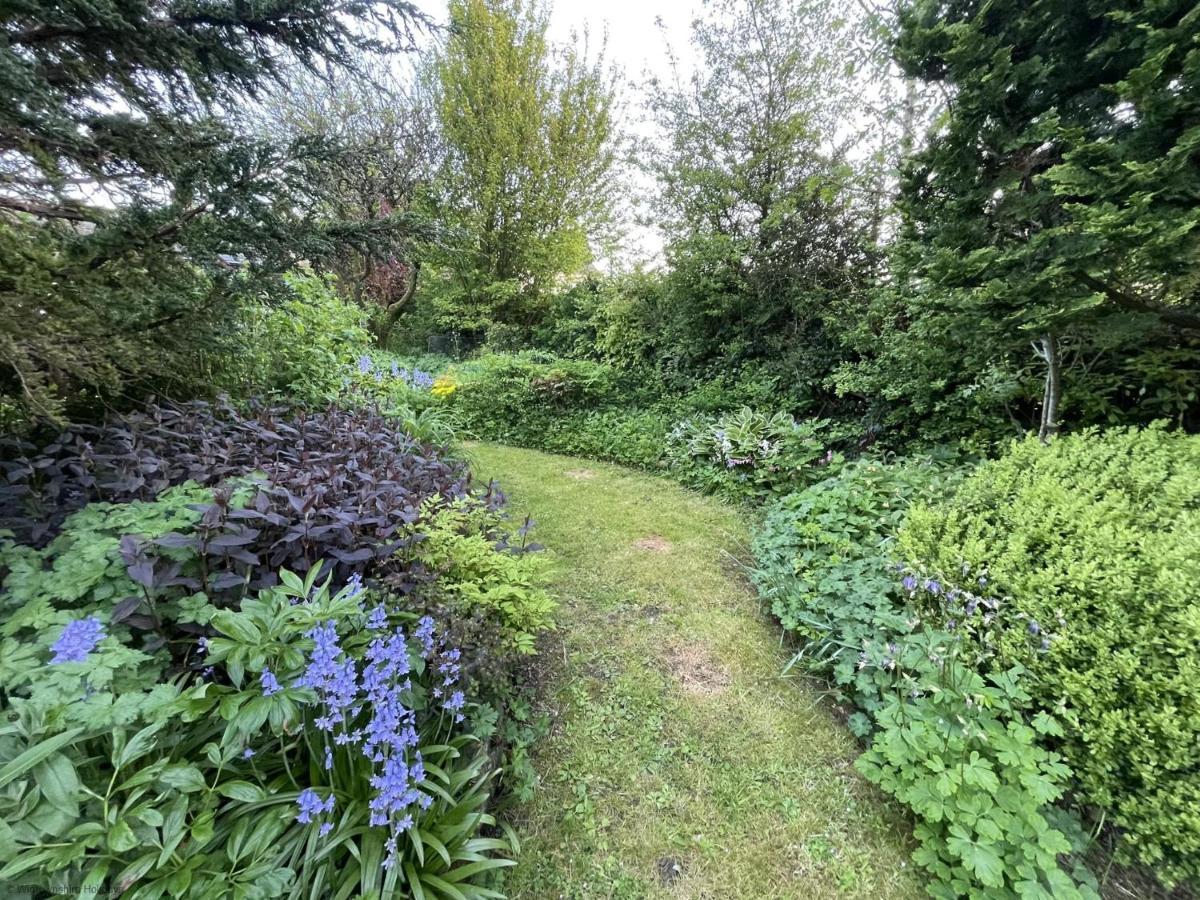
x=531, y=144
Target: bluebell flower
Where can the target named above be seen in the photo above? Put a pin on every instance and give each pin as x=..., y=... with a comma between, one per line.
x=77, y=640
x=378, y=618
x=365, y=365
x=329, y=672
x=424, y=634
x=247, y=753
x=325, y=829
x=933, y=586
x=395, y=370
x=270, y=684
x=1034, y=628
x=455, y=704
x=354, y=585
x=311, y=805
x=909, y=582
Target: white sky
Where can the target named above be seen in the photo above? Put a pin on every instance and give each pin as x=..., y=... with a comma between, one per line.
x=638, y=46
x=634, y=41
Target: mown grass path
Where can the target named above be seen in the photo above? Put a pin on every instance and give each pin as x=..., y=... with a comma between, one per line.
x=679, y=764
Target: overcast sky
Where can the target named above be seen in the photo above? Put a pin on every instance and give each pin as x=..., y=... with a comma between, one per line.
x=634, y=42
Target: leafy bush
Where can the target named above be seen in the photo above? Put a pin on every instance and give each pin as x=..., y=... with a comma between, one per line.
x=324, y=753
x=343, y=490
x=477, y=575
x=296, y=348
x=497, y=393
x=304, y=777
x=563, y=406
x=951, y=742
x=1099, y=534
x=747, y=454
x=825, y=564
x=389, y=382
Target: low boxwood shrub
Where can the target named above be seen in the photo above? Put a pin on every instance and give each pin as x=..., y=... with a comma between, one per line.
x=1098, y=536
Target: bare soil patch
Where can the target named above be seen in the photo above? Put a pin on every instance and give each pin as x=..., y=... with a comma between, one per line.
x=653, y=543
x=694, y=667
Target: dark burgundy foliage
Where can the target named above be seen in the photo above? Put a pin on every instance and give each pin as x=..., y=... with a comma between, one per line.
x=340, y=486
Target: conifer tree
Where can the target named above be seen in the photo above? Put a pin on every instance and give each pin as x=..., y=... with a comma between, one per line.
x=1050, y=261
x=130, y=211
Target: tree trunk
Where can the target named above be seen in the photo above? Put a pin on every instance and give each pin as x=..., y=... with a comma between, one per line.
x=396, y=307
x=1047, y=349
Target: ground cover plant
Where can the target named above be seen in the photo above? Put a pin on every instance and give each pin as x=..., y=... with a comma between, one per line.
x=270, y=598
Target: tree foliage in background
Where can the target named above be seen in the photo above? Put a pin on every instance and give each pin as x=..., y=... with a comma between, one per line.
x=126, y=200
x=389, y=149
x=530, y=138
x=765, y=233
x=1048, y=263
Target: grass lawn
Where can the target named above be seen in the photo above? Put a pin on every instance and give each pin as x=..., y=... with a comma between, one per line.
x=679, y=763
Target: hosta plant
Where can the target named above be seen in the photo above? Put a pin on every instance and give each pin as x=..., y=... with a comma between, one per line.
x=748, y=454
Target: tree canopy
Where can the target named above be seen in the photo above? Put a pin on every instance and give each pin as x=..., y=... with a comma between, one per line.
x=1051, y=235
x=531, y=143
x=130, y=209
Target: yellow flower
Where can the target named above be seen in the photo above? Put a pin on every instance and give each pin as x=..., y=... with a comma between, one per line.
x=443, y=386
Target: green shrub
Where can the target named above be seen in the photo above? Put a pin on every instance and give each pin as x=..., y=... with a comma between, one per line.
x=948, y=729
x=825, y=565
x=477, y=574
x=211, y=677
x=496, y=392
x=749, y=455
x=562, y=406
x=629, y=436
x=1098, y=536
x=296, y=349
